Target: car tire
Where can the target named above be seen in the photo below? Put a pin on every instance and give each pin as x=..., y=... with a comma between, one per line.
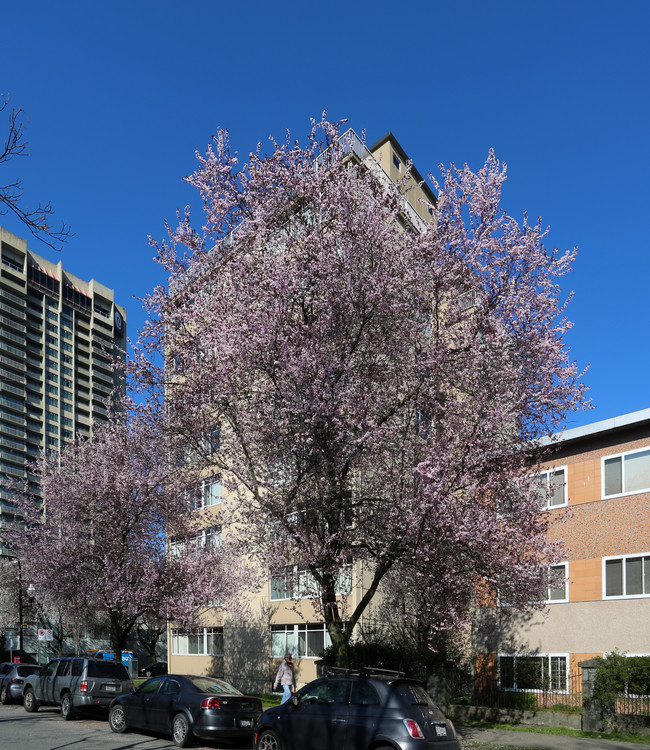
x=117, y=719
x=268, y=740
x=181, y=732
x=4, y=696
x=29, y=701
x=67, y=707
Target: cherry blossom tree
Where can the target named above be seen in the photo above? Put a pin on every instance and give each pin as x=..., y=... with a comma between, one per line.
x=114, y=535
x=379, y=386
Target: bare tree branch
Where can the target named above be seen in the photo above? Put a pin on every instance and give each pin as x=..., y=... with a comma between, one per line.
x=37, y=220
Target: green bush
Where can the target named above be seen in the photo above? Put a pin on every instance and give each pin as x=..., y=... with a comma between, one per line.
x=519, y=701
x=617, y=675
x=374, y=652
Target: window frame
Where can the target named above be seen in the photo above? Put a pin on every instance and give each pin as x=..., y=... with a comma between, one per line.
x=565, y=599
x=547, y=657
x=291, y=642
x=200, y=489
x=623, y=559
x=623, y=455
x=206, y=636
x=298, y=583
x=565, y=490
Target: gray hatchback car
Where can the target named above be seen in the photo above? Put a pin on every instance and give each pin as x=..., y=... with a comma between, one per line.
x=357, y=710
x=75, y=683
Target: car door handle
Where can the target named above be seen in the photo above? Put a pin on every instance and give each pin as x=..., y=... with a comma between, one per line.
x=338, y=721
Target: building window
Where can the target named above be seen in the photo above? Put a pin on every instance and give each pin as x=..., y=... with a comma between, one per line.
x=627, y=576
x=202, y=642
x=553, y=493
x=558, y=585
x=293, y=583
x=396, y=162
x=306, y=641
x=533, y=673
x=626, y=474
x=209, y=538
x=208, y=493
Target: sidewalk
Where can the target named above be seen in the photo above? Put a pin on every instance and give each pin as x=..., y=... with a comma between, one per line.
x=539, y=741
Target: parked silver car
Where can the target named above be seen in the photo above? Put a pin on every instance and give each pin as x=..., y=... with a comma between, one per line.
x=75, y=683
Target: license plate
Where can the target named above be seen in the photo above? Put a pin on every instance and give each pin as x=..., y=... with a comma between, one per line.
x=110, y=688
x=245, y=722
x=441, y=731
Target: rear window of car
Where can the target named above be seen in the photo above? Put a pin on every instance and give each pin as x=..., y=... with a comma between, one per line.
x=112, y=669
x=25, y=671
x=412, y=694
x=218, y=687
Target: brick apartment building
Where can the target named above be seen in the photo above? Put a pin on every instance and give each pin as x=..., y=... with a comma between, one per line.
x=600, y=476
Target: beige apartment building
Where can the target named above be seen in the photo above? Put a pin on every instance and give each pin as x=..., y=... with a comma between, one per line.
x=57, y=336
x=248, y=651
x=600, y=603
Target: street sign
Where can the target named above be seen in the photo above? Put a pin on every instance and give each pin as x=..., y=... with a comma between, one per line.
x=12, y=642
x=44, y=634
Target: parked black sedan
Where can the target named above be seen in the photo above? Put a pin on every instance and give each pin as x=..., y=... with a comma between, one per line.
x=186, y=706
x=151, y=670
x=357, y=710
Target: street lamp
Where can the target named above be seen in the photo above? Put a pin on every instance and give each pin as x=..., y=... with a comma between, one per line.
x=31, y=590
x=20, y=607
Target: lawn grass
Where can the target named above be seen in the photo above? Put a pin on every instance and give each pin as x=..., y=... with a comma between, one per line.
x=268, y=699
x=558, y=731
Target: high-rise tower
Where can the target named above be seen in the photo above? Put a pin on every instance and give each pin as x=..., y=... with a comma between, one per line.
x=58, y=335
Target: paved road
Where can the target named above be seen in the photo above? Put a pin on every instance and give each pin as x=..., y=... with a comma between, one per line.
x=46, y=730
x=539, y=741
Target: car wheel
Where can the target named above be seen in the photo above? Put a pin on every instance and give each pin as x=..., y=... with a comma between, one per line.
x=181, y=732
x=117, y=719
x=4, y=695
x=268, y=740
x=67, y=707
x=29, y=701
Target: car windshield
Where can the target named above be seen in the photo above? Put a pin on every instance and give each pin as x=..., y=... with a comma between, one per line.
x=110, y=669
x=217, y=687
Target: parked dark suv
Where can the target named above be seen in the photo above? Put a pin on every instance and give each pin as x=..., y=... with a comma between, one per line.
x=75, y=683
x=356, y=710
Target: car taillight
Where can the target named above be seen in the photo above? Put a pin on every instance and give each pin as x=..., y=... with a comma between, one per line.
x=83, y=686
x=211, y=703
x=413, y=729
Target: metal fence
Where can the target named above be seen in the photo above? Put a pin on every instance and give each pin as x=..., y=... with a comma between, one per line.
x=487, y=692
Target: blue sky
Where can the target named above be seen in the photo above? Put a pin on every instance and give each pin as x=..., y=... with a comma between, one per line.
x=119, y=96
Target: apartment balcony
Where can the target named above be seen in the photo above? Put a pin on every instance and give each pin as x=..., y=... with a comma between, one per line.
x=13, y=471
x=16, y=445
x=11, y=403
x=13, y=363
x=17, y=390
x=6, y=429
x=15, y=325
x=20, y=301
x=100, y=378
